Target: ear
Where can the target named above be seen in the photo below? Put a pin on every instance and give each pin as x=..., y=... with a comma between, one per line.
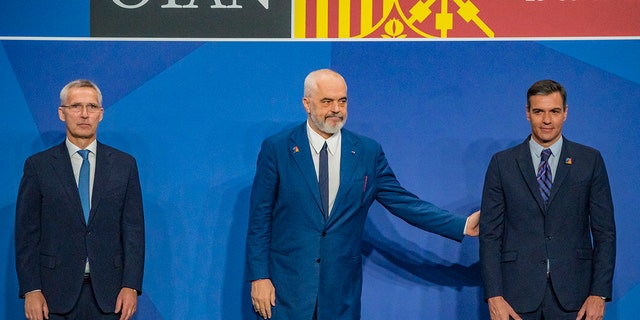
x=526, y=112
x=61, y=115
x=305, y=103
x=566, y=111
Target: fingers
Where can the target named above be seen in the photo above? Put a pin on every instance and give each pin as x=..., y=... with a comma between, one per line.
x=35, y=306
x=126, y=303
x=263, y=297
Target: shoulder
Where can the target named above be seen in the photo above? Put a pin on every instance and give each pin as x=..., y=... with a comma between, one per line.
x=286, y=134
x=113, y=153
x=521, y=149
x=574, y=147
x=45, y=155
x=359, y=140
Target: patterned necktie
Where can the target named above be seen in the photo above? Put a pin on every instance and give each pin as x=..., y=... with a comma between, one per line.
x=323, y=180
x=544, y=175
x=83, y=184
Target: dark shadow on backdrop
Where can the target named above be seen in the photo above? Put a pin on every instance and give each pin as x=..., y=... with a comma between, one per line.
x=404, y=258
x=235, y=287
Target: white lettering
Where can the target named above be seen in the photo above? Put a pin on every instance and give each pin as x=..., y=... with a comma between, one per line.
x=264, y=3
x=130, y=6
x=171, y=4
x=217, y=4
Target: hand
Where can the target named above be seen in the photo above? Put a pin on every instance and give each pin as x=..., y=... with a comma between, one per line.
x=35, y=306
x=126, y=303
x=263, y=297
x=499, y=309
x=472, y=227
x=592, y=309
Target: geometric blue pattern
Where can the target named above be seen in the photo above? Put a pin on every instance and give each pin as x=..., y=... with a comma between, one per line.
x=119, y=67
x=163, y=99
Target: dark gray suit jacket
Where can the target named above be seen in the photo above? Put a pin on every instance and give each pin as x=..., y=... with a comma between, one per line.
x=53, y=240
x=519, y=236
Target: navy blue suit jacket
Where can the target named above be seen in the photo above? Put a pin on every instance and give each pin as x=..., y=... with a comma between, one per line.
x=574, y=234
x=309, y=259
x=53, y=240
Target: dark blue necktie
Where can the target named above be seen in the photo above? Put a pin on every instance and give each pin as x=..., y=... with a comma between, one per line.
x=544, y=175
x=323, y=180
x=83, y=183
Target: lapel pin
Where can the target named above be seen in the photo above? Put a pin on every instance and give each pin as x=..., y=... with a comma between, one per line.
x=568, y=160
x=295, y=149
x=353, y=152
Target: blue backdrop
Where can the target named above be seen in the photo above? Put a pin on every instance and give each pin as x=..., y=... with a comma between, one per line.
x=194, y=114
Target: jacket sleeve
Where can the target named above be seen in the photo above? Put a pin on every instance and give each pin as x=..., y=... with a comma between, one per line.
x=27, y=231
x=603, y=231
x=491, y=231
x=262, y=204
x=133, y=233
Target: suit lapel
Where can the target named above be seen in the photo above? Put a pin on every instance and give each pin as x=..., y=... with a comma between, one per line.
x=349, y=155
x=301, y=154
x=101, y=177
x=563, y=168
x=61, y=163
x=529, y=174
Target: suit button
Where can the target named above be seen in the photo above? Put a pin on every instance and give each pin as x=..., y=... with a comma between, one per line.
x=318, y=260
x=548, y=238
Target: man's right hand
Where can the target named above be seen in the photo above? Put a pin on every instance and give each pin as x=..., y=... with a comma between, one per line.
x=499, y=309
x=35, y=306
x=263, y=297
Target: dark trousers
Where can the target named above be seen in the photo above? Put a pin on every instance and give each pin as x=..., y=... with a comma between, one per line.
x=86, y=308
x=550, y=309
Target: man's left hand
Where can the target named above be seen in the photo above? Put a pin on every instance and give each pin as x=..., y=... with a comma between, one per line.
x=592, y=309
x=126, y=303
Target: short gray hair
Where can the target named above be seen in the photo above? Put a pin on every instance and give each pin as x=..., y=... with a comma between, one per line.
x=80, y=83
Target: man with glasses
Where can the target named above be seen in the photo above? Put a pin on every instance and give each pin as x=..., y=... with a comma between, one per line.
x=79, y=227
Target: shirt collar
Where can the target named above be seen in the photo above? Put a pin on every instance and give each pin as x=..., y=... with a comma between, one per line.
x=317, y=141
x=536, y=148
x=72, y=148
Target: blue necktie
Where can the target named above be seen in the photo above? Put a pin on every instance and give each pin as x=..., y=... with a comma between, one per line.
x=83, y=184
x=323, y=180
x=544, y=175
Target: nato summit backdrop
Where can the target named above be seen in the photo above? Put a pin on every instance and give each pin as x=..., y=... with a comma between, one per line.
x=191, y=88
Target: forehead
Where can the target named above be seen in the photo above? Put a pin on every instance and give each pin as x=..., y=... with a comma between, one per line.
x=550, y=101
x=82, y=93
x=329, y=85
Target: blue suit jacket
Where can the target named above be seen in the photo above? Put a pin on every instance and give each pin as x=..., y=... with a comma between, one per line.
x=53, y=240
x=519, y=235
x=309, y=259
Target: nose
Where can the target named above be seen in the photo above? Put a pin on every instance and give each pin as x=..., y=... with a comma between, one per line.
x=335, y=106
x=84, y=111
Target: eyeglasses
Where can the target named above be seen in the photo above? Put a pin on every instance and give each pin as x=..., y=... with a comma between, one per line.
x=78, y=107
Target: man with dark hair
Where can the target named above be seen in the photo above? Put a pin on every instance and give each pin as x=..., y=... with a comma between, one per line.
x=547, y=231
